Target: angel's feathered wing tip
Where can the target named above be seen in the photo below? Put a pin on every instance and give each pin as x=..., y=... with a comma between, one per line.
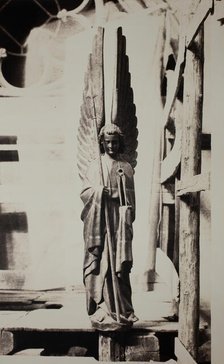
x=123, y=107
x=92, y=109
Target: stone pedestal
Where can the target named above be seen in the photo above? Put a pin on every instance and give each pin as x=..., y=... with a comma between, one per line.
x=130, y=346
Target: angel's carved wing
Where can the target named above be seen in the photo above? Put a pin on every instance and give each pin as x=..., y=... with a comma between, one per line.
x=123, y=107
x=92, y=109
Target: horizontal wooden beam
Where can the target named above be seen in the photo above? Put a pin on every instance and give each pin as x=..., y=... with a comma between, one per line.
x=183, y=356
x=205, y=7
x=197, y=183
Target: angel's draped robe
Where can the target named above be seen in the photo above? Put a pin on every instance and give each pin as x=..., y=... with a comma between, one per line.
x=97, y=272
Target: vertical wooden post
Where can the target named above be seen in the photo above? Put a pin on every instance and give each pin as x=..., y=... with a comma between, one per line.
x=216, y=62
x=177, y=230
x=111, y=347
x=155, y=193
x=154, y=212
x=178, y=115
x=164, y=230
x=189, y=205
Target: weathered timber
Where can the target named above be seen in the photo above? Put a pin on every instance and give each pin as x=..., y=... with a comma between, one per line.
x=164, y=230
x=203, y=10
x=197, y=183
x=177, y=229
x=17, y=359
x=182, y=354
x=189, y=207
x=54, y=320
x=154, y=212
x=154, y=208
x=142, y=339
x=216, y=110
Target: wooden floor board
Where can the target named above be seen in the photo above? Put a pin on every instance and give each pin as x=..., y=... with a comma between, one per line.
x=72, y=315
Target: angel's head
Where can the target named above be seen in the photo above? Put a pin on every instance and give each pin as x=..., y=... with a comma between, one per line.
x=111, y=140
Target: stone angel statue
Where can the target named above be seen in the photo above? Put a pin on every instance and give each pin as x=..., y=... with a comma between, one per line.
x=106, y=160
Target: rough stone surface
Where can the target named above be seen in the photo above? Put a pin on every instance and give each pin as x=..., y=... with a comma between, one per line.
x=142, y=347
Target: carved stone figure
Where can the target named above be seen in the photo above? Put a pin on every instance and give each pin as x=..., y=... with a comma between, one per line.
x=118, y=197
x=106, y=160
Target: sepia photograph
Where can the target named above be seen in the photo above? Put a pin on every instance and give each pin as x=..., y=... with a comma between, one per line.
x=109, y=251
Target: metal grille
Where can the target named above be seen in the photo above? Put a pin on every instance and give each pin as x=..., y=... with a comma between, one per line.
x=19, y=17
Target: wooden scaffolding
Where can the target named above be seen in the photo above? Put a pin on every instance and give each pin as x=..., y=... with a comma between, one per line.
x=185, y=172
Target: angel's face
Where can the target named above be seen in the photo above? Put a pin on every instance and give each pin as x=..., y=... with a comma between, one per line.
x=111, y=144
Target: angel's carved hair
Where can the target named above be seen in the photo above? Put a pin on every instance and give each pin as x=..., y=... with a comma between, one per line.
x=111, y=129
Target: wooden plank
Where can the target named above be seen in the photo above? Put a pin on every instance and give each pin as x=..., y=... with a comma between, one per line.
x=154, y=210
x=189, y=208
x=55, y=320
x=164, y=230
x=183, y=356
x=205, y=7
x=16, y=359
x=197, y=183
x=177, y=230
